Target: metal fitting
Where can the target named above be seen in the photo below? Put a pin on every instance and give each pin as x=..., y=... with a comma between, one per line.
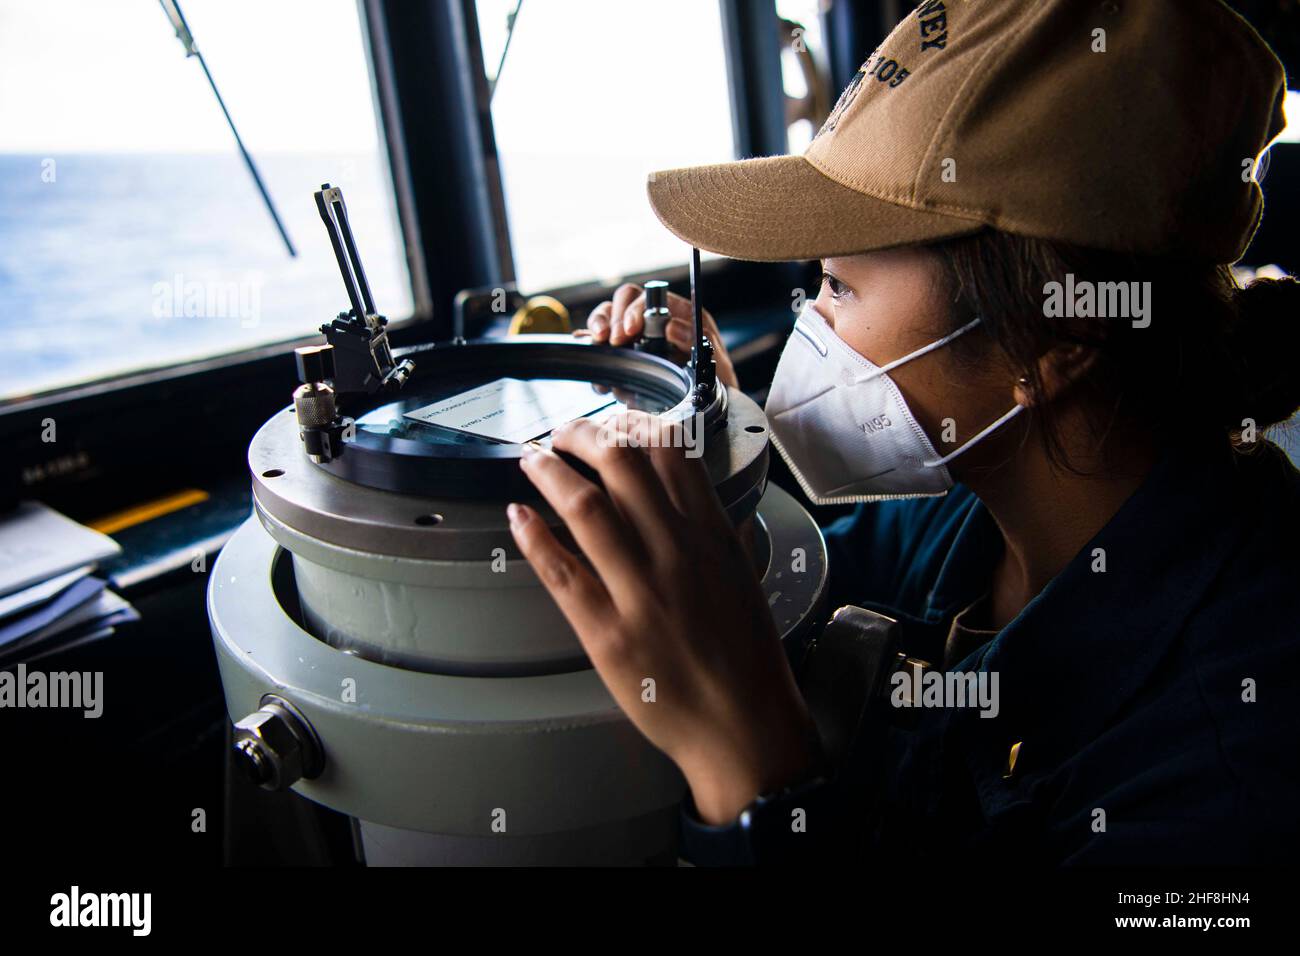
x=275, y=746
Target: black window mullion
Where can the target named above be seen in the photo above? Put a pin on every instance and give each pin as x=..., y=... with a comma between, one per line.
x=751, y=36
x=441, y=98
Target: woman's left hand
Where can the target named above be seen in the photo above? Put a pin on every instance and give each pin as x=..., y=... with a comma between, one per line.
x=668, y=595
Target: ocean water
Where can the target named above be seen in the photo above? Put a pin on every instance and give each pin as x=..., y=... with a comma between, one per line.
x=115, y=263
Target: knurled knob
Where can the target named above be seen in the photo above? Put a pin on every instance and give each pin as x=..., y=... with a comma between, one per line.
x=314, y=405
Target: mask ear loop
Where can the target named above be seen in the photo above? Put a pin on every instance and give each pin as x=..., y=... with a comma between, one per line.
x=937, y=343
x=991, y=428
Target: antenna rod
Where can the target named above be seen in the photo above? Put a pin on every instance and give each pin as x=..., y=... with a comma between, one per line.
x=173, y=10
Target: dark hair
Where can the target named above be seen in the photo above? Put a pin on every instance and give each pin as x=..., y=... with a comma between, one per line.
x=1214, y=357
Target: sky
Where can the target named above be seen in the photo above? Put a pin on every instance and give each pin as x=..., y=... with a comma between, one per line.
x=610, y=78
x=110, y=76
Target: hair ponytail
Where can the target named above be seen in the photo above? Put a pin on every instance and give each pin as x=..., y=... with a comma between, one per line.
x=1214, y=358
x=1264, y=348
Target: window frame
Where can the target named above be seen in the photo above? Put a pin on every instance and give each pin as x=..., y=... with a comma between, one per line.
x=100, y=438
x=383, y=90
x=756, y=94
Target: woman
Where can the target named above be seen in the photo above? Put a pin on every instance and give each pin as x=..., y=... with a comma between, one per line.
x=1029, y=363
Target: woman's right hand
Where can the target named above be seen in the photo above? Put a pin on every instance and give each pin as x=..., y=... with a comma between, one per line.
x=620, y=321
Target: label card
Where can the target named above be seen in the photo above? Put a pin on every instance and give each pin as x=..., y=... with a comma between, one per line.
x=512, y=410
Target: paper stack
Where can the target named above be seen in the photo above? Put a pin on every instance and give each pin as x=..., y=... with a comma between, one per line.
x=49, y=598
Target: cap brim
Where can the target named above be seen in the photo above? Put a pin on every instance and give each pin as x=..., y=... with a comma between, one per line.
x=782, y=207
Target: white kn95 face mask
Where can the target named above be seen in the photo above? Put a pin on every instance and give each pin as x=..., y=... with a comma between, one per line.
x=842, y=425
